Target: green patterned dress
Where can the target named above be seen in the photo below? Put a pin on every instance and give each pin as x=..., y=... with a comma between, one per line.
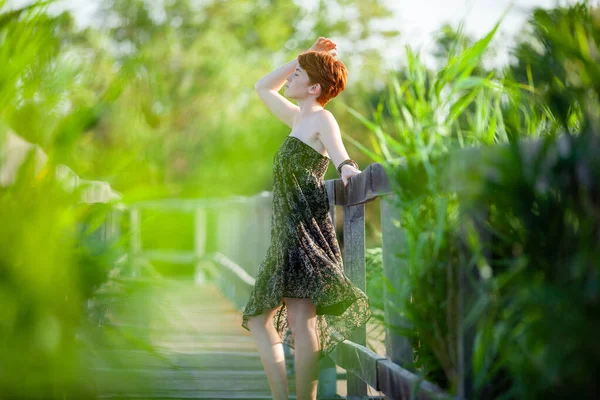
x=303, y=259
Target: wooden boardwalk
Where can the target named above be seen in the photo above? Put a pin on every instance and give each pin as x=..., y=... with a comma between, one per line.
x=179, y=341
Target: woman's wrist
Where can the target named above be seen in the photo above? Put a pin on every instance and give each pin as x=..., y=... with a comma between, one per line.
x=347, y=161
x=345, y=166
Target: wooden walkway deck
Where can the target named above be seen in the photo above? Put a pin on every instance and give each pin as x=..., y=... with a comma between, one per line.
x=179, y=341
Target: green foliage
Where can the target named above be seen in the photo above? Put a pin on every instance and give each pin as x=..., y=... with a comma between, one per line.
x=538, y=309
x=190, y=111
x=374, y=279
x=422, y=116
x=538, y=304
x=165, y=93
x=535, y=301
x=560, y=57
x=42, y=292
x=157, y=106
x=418, y=115
x=51, y=259
x=161, y=103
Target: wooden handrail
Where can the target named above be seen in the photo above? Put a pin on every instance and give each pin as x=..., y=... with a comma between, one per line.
x=383, y=374
x=363, y=366
x=455, y=172
x=367, y=186
x=238, y=249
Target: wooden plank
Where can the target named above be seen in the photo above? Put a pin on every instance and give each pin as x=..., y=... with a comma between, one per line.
x=218, y=395
x=225, y=262
x=222, y=315
x=399, y=383
x=327, y=386
x=398, y=348
x=354, y=267
x=383, y=374
x=215, y=360
x=190, y=358
x=158, y=345
x=190, y=339
x=327, y=368
x=357, y=360
x=220, y=330
x=155, y=380
x=200, y=238
x=191, y=205
x=371, y=183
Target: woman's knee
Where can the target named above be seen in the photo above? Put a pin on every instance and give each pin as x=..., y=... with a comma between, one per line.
x=263, y=320
x=257, y=322
x=301, y=316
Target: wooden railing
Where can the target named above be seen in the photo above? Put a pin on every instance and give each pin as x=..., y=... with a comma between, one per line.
x=463, y=173
x=234, y=233
x=364, y=367
x=241, y=235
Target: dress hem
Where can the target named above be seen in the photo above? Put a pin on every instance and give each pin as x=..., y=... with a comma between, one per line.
x=322, y=353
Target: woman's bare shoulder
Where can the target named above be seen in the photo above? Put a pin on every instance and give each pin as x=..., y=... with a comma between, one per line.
x=325, y=124
x=324, y=117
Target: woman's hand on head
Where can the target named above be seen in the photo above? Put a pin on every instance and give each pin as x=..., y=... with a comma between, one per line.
x=349, y=171
x=325, y=45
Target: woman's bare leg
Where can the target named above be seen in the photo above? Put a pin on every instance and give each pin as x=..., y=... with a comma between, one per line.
x=302, y=317
x=271, y=353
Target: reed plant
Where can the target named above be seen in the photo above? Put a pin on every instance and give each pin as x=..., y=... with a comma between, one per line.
x=484, y=120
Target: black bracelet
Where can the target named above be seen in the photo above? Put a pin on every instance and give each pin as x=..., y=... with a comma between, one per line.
x=347, y=161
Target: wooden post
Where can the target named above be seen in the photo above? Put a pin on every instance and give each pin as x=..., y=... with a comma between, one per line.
x=327, y=369
x=327, y=379
x=223, y=228
x=135, y=244
x=199, y=243
x=354, y=267
x=252, y=233
x=398, y=348
x=114, y=228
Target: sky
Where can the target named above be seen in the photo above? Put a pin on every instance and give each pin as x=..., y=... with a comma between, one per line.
x=417, y=20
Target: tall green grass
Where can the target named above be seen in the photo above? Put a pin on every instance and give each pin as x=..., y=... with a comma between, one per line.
x=423, y=115
x=423, y=118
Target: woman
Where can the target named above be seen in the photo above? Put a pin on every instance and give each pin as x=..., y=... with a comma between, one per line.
x=302, y=296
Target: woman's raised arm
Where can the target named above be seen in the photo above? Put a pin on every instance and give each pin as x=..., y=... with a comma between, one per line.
x=268, y=88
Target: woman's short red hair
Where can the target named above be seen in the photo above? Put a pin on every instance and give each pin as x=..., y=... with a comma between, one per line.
x=326, y=70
